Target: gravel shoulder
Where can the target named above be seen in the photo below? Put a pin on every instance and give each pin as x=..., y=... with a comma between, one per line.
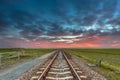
x=87, y=70
x=15, y=72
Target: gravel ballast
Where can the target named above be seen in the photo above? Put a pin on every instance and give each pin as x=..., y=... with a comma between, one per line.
x=14, y=73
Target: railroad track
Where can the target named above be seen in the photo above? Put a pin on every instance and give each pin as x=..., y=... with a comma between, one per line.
x=59, y=67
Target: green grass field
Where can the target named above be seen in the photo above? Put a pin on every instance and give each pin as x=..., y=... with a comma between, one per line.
x=9, y=58
x=110, y=60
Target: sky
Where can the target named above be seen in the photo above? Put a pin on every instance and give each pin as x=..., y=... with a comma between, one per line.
x=59, y=23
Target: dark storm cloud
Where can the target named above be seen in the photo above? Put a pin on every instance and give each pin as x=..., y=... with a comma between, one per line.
x=4, y=21
x=88, y=20
x=55, y=29
x=21, y=17
x=114, y=21
x=31, y=19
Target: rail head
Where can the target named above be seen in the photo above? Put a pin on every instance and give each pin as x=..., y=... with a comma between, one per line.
x=72, y=68
x=42, y=76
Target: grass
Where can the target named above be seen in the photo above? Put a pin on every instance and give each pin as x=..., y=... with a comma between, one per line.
x=110, y=60
x=8, y=59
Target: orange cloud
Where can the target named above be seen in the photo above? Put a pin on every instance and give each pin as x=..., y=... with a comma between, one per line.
x=47, y=44
x=93, y=42
x=115, y=45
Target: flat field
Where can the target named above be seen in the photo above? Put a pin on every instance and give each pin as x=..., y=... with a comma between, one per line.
x=13, y=57
x=110, y=60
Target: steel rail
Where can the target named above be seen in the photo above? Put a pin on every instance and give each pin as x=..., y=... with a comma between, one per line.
x=42, y=76
x=72, y=68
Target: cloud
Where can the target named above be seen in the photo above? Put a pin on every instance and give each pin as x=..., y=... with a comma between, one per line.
x=64, y=21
